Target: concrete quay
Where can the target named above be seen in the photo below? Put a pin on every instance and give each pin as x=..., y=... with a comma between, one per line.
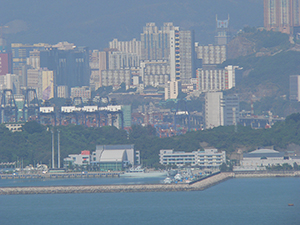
x=197, y=186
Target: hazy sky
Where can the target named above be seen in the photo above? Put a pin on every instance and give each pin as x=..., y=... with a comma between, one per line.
x=94, y=23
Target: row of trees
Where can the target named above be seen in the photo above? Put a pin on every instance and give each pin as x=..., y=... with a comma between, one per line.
x=34, y=143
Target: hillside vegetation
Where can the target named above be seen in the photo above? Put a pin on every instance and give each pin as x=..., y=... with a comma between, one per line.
x=272, y=61
x=268, y=59
x=34, y=143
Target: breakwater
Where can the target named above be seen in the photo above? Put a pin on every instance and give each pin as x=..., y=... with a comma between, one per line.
x=197, y=186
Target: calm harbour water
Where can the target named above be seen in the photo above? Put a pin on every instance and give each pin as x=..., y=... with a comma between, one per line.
x=235, y=201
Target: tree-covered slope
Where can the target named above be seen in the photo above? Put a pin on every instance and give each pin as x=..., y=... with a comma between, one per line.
x=34, y=143
x=268, y=59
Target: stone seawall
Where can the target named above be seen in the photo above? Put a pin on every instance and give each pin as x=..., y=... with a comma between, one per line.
x=200, y=185
x=267, y=174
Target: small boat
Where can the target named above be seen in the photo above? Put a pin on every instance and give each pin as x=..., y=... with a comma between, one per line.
x=178, y=176
x=172, y=173
x=290, y=204
x=168, y=180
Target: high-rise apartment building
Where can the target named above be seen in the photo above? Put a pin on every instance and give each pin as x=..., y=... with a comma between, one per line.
x=210, y=80
x=223, y=33
x=22, y=56
x=83, y=92
x=62, y=91
x=5, y=63
x=221, y=111
x=155, y=72
x=155, y=43
x=187, y=56
x=295, y=88
x=34, y=80
x=103, y=65
x=172, y=89
x=5, y=58
x=34, y=59
x=94, y=67
x=121, y=60
x=214, y=110
x=47, y=84
x=281, y=15
x=231, y=110
x=70, y=65
x=173, y=45
x=42, y=80
x=116, y=77
x=132, y=46
x=98, y=63
x=174, y=55
x=10, y=81
x=211, y=54
x=216, y=79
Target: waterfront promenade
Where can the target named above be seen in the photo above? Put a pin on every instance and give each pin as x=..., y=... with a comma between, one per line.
x=194, y=186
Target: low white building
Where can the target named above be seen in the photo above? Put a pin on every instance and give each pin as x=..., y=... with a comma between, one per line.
x=266, y=157
x=171, y=157
x=14, y=127
x=78, y=159
x=114, y=157
x=106, y=158
x=209, y=158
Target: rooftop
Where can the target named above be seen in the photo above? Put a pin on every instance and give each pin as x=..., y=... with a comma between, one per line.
x=263, y=151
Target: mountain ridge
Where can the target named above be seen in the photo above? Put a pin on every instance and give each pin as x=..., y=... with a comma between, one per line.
x=95, y=23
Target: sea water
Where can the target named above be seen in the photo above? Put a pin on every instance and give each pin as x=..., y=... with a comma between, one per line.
x=236, y=201
x=76, y=181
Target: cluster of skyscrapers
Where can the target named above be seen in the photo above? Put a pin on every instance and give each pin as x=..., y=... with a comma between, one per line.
x=165, y=57
x=52, y=70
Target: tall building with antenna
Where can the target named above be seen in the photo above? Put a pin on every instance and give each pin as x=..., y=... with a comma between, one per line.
x=223, y=33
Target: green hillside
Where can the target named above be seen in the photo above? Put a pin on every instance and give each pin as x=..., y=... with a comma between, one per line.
x=272, y=62
x=268, y=59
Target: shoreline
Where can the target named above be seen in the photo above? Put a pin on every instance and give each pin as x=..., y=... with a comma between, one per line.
x=200, y=185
